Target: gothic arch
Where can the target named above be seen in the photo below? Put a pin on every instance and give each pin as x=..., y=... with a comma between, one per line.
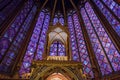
x=60, y=33
x=40, y=74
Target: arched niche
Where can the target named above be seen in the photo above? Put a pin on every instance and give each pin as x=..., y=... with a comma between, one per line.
x=58, y=33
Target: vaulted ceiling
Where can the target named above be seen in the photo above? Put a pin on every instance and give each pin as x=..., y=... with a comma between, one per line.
x=59, y=5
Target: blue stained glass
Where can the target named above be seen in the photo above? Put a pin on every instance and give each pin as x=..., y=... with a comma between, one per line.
x=85, y=62
x=11, y=32
x=26, y=64
x=42, y=38
x=61, y=21
x=111, y=19
x=11, y=54
x=55, y=21
x=57, y=49
x=72, y=39
x=87, y=70
x=82, y=46
x=99, y=53
x=7, y=9
x=104, y=39
x=32, y=45
x=75, y=57
x=58, y=19
x=4, y=43
x=14, y=48
x=101, y=57
x=113, y=6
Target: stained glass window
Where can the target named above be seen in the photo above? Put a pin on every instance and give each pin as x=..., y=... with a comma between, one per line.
x=32, y=45
x=99, y=53
x=55, y=21
x=109, y=47
x=36, y=45
x=14, y=28
x=58, y=18
x=6, y=11
x=14, y=48
x=61, y=21
x=111, y=19
x=42, y=41
x=84, y=57
x=113, y=6
x=106, y=54
x=73, y=42
x=57, y=49
x=99, y=38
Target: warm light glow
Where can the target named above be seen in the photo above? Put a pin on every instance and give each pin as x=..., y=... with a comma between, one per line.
x=56, y=79
x=57, y=76
x=59, y=58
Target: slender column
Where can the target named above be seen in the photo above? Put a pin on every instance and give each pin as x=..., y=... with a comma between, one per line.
x=68, y=53
x=46, y=52
x=112, y=34
x=53, y=12
x=64, y=12
x=94, y=64
x=11, y=18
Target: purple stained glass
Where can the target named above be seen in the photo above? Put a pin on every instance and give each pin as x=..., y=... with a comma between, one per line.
x=42, y=41
x=57, y=49
x=113, y=6
x=32, y=45
x=14, y=48
x=55, y=20
x=4, y=44
x=105, y=39
x=61, y=21
x=61, y=49
x=73, y=42
x=14, y=27
x=53, y=49
x=111, y=19
x=98, y=50
x=7, y=10
x=58, y=19
x=82, y=47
